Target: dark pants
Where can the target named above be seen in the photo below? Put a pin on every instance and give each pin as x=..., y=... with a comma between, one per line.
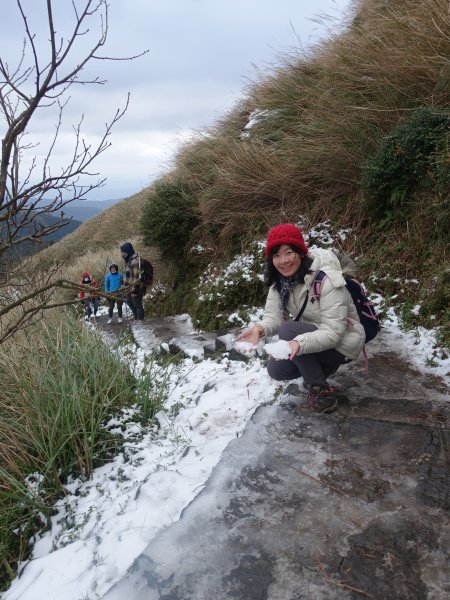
x=134, y=301
x=111, y=304
x=87, y=306
x=314, y=367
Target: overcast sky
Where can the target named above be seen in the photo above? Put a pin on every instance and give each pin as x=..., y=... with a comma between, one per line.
x=202, y=54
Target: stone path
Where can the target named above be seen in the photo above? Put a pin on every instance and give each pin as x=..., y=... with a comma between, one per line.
x=348, y=505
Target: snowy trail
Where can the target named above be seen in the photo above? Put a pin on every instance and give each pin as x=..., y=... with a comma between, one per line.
x=105, y=523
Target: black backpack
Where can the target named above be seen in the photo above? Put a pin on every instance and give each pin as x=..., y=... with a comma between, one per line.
x=146, y=268
x=364, y=306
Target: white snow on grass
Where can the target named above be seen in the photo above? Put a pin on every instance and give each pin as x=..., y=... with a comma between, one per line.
x=420, y=347
x=103, y=524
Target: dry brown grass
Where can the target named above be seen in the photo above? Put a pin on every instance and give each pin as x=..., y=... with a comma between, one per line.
x=105, y=230
x=326, y=114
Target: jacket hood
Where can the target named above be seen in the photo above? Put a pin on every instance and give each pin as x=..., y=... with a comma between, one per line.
x=86, y=274
x=326, y=260
x=127, y=248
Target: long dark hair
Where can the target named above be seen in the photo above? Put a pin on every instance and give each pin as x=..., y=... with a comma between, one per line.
x=273, y=276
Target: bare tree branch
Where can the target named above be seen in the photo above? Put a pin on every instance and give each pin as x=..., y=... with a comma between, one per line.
x=33, y=189
x=18, y=108
x=25, y=312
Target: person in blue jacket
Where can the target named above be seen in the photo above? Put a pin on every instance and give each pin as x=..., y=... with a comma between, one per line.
x=113, y=283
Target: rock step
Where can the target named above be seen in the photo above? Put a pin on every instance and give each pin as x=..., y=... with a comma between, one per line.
x=176, y=335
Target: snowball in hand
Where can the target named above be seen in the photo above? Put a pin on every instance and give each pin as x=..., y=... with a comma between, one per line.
x=279, y=350
x=245, y=347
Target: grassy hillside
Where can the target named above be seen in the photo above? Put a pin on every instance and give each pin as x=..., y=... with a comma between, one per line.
x=115, y=224
x=304, y=135
x=354, y=131
x=95, y=244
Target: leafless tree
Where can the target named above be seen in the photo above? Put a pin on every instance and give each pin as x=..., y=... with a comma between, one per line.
x=48, y=65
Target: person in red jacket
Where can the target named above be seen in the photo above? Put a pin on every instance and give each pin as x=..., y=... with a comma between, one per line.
x=90, y=299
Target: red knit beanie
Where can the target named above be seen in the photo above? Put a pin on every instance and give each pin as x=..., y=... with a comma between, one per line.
x=286, y=234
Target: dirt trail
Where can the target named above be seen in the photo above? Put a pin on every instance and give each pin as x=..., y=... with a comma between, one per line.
x=348, y=505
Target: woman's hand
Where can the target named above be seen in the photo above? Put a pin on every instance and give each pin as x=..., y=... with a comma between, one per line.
x=295, y=347
x=251, y=335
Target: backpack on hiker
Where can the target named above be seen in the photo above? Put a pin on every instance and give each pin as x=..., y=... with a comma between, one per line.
x=146, y=268
x=364, y=306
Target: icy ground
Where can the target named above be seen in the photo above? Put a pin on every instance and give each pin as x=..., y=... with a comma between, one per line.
x=102, y=525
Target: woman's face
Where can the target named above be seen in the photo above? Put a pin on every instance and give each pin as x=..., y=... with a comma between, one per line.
x=286, y=261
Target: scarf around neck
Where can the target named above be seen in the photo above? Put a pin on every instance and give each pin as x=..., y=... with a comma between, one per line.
x=287, y=283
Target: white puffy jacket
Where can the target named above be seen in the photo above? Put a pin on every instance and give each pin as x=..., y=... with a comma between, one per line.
x=335, y=315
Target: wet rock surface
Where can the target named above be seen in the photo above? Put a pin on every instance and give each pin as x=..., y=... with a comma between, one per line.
x=348, y=505
x=171, y=334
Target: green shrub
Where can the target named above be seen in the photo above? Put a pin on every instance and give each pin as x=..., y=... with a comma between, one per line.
x=407, y=159
x=168, y=218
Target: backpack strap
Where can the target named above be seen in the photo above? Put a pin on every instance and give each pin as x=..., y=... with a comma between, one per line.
x=317, y=289
x=317, y=284
x=141, y=272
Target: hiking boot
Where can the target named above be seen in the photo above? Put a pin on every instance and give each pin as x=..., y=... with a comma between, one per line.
x=109, y=321
x=119, y=320
x=322, y=399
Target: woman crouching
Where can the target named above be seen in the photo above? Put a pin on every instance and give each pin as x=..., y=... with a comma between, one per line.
x=328, y=333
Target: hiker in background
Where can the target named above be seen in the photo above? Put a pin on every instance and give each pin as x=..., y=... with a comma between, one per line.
x=132, y=280
x=90, y=299
x=113, y=283
x=325, y=333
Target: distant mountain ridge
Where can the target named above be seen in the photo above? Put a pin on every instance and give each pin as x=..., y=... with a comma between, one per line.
x=82, y=210
x=78, y=211
x=118, y=223
x=29, y=247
